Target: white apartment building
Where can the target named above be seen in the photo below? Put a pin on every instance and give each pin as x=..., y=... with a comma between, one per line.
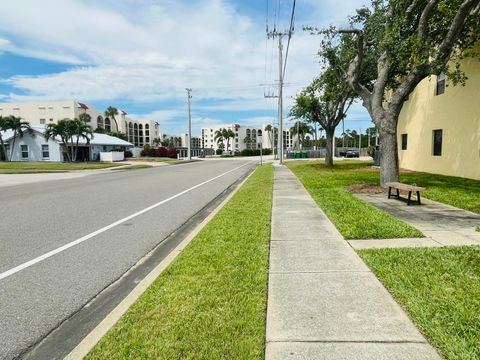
x=139, y=132
x=246, y=137
x=46, y=112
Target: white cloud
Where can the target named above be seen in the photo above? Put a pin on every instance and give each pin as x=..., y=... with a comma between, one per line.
x=149, y=51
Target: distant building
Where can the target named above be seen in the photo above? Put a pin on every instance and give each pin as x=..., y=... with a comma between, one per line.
x=196, y=141
x=139, y=132
x=246, y=137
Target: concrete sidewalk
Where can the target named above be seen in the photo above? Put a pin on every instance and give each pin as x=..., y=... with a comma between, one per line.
x=323, y=301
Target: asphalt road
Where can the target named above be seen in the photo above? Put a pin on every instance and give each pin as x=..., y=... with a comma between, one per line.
x=38, y=293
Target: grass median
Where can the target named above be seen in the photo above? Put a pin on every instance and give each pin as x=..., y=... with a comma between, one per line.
x=440, y=289
x=32, y=167
x=211, y=302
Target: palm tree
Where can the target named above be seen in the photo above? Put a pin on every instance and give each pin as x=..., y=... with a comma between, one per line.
x=80, y=130
x=301, y=129
x=19, y=127
x=4, y=126
x=110, y=113
x=60, y=129
x=268, y=129
x=247, y=141
x=218, y=137
x=70, y=131
x=227, y=135
x=86, y=118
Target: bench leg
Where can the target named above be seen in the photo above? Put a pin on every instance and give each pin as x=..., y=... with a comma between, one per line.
x=418, y=198
x=389, y=192
x=398, y=194
x=409, y=197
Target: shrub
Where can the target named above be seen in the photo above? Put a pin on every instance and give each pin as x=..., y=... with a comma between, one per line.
x=160, y=152
x=254, y=152
x=172, y=153
x=128, y=153
x=146, y=147
x=219, y=151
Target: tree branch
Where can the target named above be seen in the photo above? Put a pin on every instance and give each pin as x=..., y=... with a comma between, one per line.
x=426, y=13
x=353, y=72
x=458, y=22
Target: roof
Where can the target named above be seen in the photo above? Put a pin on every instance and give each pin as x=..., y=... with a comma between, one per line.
x=82, y=106
x=98, y=139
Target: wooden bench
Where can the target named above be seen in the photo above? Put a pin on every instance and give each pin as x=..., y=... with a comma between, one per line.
x=405, y=187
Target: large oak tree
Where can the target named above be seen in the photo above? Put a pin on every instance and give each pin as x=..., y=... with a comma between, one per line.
x=391, y=47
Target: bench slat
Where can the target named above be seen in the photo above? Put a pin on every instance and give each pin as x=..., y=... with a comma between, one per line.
x=405, y=187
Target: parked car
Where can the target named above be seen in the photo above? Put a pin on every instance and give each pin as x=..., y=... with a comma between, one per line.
x=352, y=154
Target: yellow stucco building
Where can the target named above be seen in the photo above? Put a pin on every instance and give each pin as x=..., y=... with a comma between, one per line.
x=439, y=126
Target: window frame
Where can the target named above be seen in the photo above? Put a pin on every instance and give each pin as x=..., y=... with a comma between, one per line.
x=23, y=152
x=404, y=142
x=437, y=149
x=45, y=151
x=441, y=84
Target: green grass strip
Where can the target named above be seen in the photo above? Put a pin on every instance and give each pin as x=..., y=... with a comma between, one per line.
x=31, y=167
x=210, y=303
x=456, y=191
x=440, y=289
x=354, y=218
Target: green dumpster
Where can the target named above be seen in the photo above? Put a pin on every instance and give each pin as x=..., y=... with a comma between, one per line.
x=292, y=155
x=304, y=155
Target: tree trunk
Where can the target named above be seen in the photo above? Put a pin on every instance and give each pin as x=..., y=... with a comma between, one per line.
x=13, y=146
x=389, y=169
x=329, y=147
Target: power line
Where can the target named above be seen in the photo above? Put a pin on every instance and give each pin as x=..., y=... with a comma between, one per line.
x=290, y=32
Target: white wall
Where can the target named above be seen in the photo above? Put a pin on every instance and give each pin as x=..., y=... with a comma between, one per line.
x=34, y=144
x=112, y=156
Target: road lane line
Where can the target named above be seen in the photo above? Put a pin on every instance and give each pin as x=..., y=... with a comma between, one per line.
x=108, y=227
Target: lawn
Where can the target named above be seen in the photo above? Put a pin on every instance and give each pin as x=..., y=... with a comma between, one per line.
x=440, y=289
x=354, y=218
x=357, y=220
x=460, y=192
x=211, y=302
x=43, y=167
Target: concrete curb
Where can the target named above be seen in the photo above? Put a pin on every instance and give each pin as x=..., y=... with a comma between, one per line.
x=87, y=344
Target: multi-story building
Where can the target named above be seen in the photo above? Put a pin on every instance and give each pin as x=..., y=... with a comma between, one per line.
x=46, y=112
x=246, y=137
x=196, y=141
x=439, y=126
x=139, y=132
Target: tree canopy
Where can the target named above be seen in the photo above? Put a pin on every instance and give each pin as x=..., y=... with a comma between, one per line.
x=391, y=46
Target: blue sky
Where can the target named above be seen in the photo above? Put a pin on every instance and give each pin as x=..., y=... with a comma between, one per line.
x=140, y=55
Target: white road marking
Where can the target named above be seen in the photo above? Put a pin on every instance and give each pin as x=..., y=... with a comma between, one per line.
x=58, y=250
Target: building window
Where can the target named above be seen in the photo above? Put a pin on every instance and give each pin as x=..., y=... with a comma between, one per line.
x=66, y=109
x=437, y=142
x=41, y=110
x=404, y=141
x=7, y=149
x=51, y=119
x=45, y=151
x=24, y=149
x=440, y=84
x=42, y=121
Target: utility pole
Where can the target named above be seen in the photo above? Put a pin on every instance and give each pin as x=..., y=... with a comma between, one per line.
x=359, y=142
x=270, y=96
x=189, y=143
x=280, y=35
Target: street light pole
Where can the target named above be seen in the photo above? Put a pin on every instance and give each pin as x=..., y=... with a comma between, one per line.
x=189, y=142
